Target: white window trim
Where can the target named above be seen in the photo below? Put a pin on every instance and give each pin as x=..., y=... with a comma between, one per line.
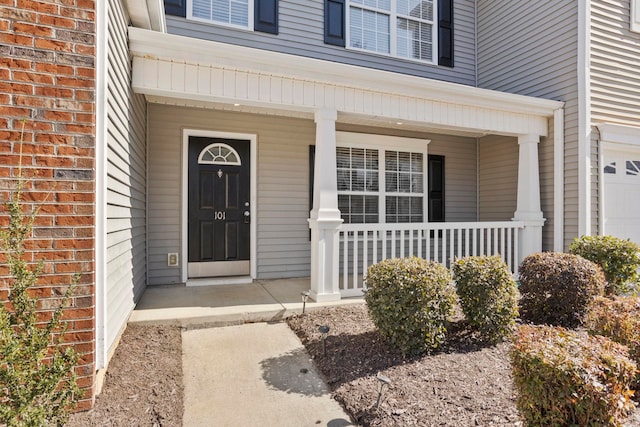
x=391, y=143
x=250, y=18
x=635, y=16
x=393, y=43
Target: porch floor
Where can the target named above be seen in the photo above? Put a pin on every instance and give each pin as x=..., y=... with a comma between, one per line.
x=222, y=305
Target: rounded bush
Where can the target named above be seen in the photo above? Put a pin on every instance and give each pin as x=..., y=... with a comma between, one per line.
x=567, y=378
x=488, y=295
x=410, y=301
x=618, y=258
x=556, y=288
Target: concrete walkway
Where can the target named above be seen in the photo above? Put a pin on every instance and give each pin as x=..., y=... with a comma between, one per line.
x=253, y=375
x=244, y=374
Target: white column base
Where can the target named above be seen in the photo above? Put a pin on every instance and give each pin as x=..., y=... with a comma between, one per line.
x=530, y=238
x=324, y=257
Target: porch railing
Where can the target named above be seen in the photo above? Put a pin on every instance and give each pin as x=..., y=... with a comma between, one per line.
x=362, y=245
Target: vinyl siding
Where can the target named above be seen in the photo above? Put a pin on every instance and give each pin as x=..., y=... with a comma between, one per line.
x=615, y=77
x=529, y=50
x=498, y=178
x=283, y=187
x=126, y=183
x=301, y=32
x=615, y=64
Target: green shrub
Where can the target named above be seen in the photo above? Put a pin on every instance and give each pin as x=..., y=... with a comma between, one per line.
x=488, y=295
x=619, y=259
x=409, y=301
x=37, y=379
x=565, y=378
x=557, y=288
x=619, y=320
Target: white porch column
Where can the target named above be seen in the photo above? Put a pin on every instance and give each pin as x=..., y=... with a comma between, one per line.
x=325, y=218
x=528, y=208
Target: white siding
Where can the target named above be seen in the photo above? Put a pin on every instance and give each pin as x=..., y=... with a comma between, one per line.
x=532, y=50
x=615, y=77
x=126, y=252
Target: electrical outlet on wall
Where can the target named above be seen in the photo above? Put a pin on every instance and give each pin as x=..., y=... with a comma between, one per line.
x=172, y=259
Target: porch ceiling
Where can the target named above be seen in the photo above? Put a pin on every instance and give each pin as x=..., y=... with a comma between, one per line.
x=214, y=75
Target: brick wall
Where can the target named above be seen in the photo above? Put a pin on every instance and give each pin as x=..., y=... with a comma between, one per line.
x=47, y=81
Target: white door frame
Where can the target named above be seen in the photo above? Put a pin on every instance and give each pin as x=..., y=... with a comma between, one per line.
x=253, y=139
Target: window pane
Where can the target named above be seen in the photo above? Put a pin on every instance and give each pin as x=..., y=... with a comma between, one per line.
x=417, y=183
x=357, y=158
x=357, y=180
x=391, y=182
x=344, y=180
x=343, y=157
x=369, y=30
x=372, y=181
x=416, y=162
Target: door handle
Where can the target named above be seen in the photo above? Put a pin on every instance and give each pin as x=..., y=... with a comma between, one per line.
x=247, y=215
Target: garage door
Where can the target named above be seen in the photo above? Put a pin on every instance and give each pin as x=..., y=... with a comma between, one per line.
x=622, y=194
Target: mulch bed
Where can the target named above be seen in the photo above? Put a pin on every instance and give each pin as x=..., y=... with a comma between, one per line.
x=143, y=386
x=464, y=383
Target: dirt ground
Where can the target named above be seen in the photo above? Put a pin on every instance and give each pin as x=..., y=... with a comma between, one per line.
x=464, y=384
x=143, y=386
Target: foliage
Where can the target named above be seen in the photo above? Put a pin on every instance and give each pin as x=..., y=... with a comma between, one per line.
x=37, y=380
x=619, y=320
x=409, y=301
x=488, y=295
x=566, y=378
x=619, y=259
x=557, y=288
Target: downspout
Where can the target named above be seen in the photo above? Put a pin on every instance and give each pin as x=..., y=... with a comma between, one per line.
x=584, y=114
x=601, y=206
x=475, y=40
x=102, y=10
x=558, y=180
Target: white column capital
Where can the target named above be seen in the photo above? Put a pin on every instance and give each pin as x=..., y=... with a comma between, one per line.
x=327, y=114
x=528, y=138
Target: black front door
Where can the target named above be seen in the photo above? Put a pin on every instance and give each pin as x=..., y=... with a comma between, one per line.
x=219, y=207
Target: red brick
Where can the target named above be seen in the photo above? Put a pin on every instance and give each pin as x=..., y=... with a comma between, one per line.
x=34, y=30
x=55, y=69
x=52, y=45
x=54, y=92
x=23, y=76
x=58, y=116
x=33, y=101
x=16, y=88
x=15, y=63
x=54, y=138
x=56, y=21
x=11, y=38
x=38, y=6
x=75, y=82
x=54, y=161
x=74, y=244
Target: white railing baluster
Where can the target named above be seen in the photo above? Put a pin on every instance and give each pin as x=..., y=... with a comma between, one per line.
x=509, y=249
x=365, y=253
x=355, y=259
x=345, y=259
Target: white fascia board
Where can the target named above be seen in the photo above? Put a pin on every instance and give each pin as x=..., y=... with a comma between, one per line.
x=147, y=14
x=176, y=48
x=619, y=134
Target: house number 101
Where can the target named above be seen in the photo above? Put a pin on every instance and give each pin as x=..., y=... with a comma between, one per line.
x=220, y=215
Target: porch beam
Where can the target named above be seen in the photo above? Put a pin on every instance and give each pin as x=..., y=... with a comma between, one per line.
x=325, y=219
x=528, y=205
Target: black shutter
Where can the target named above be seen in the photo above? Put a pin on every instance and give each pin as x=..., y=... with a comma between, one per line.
x=445, y=33
x=435, y=169
x=334, y=22
x=266, y=16
x=175, y=7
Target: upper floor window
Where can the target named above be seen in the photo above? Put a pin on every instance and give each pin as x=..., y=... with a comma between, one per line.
x=403, y=28
x=420, y=30
x=256, y=15
x=236, y=13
